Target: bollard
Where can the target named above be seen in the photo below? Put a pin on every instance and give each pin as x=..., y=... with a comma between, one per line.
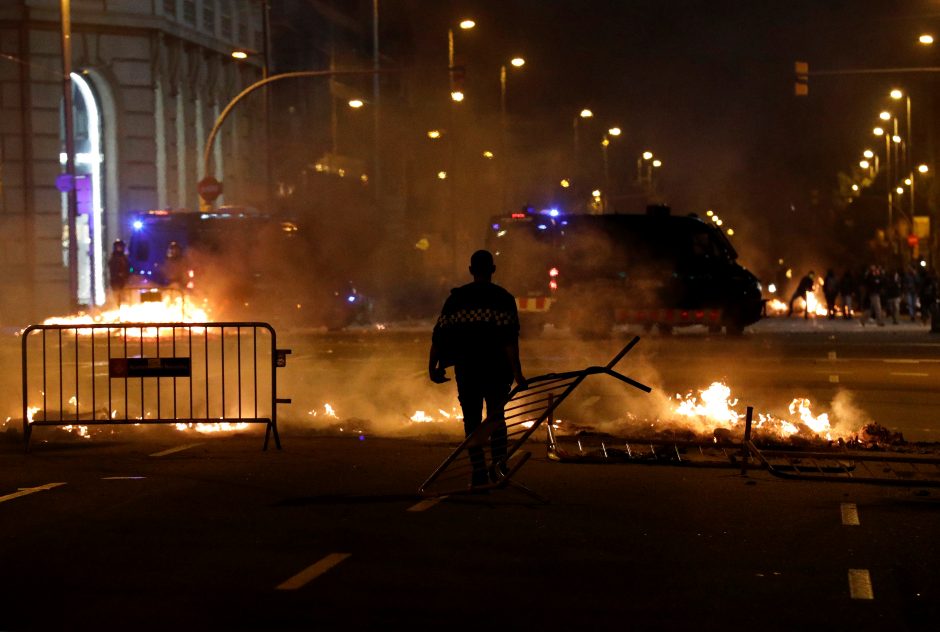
x=747, y=438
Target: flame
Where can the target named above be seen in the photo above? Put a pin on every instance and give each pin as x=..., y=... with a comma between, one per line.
x=714, y=408
x=31, y=412
x=328, y=411
x=208, y=428
x=168, y=310
x=421, y=417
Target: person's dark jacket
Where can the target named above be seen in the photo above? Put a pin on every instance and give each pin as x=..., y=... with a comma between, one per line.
x=476, y=324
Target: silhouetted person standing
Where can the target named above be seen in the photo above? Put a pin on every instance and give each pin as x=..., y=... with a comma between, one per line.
x=831, y=292
x=478, y=334
x=802, y=290
x=119, y=271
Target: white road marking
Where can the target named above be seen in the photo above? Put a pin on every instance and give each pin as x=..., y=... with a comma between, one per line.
x=424, y=505
x=832, y=355
x=900, y=361
x=850, y=515
x=123, y=478
x=310, y=573
x=903, y=374
x=860, y=584
x=26, y=491
x=178, y=448
x=834, y=379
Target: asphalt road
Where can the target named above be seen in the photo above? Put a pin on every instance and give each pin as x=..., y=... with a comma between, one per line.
x=146, y=528
x=151, y=531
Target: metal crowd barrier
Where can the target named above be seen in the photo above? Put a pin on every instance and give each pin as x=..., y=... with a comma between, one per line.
x=525, y=411
x=151, y=373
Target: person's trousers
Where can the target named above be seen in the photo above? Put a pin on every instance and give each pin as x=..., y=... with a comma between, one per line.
x=473, y=390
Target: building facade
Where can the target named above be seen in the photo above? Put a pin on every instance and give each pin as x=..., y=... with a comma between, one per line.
x=149, y=79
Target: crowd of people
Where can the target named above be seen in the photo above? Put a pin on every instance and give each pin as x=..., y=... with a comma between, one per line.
x=874, y=294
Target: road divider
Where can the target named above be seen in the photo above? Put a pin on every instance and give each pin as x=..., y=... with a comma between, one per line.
x=26, y=491
x=310, y=573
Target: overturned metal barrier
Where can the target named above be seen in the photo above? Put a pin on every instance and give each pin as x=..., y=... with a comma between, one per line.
x=151, y=373
x=525, y=411
x=843, y=466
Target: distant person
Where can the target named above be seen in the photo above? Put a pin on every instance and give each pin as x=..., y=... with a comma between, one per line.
x=831, y=292
x=928, y=295
x=910, y=291
x=803, y=289
x=174, y=267
x=478, y=334
x=119, y=271
x=874, y=283
x=892, y=294
x=847, y=290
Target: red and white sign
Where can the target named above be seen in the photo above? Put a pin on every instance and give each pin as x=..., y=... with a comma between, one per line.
x=209, y=188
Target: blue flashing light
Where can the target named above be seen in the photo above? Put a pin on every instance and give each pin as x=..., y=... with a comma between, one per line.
x=553, y=212
x=351, y=298
x=495, y=226
x=138, y=225
x=542, y=226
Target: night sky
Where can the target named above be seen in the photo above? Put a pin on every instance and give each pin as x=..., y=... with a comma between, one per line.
x=708, y=86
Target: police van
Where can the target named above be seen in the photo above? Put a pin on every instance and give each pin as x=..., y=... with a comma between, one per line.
x=246, y=262
x=592, y=272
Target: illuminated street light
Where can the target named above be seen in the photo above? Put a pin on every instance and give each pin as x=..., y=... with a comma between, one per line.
x=615, y=131
x=730, y=232
x=517, y=62
x=896, y=138
x=657, y=163
x=565, y=183
x=926, y=39
x=441, y=175
x=923, y=168
x=855, y=187
x=356, y=103
x=907, y=181
x=864, y=164
x=596, y=193
x=239, y=54
x=896, y=94
x=899, y=190
x=709, y=213
x=467, y=24
x=885, y=116
x=586, y=113
x=878, y=131
x=488, y=154
x=719, y=222
x=456, y=96
x=605, y=142
x=434, y=134
x=647, y=155
x=868, y=153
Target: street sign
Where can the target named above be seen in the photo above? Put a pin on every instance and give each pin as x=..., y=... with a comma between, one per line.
x=209, y=188
x=64, y=183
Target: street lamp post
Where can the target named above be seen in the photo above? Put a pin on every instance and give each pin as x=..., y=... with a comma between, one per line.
x=69, y=116
x=516, y=62
x=605, y=142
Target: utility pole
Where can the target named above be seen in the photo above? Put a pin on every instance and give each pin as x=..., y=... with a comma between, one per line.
x=69, y=113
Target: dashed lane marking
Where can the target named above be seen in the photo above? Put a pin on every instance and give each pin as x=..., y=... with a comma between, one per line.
x=860, y=584
x=850, y=515
x=832, y=355
x=905, y=374
x=310, y=573
x=178, y=448
x=424, y=505
x=26, y=491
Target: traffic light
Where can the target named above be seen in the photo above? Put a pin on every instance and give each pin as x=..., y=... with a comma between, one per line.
x=801, y=87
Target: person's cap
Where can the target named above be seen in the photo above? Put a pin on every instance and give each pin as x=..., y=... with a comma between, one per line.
x=482, y=262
